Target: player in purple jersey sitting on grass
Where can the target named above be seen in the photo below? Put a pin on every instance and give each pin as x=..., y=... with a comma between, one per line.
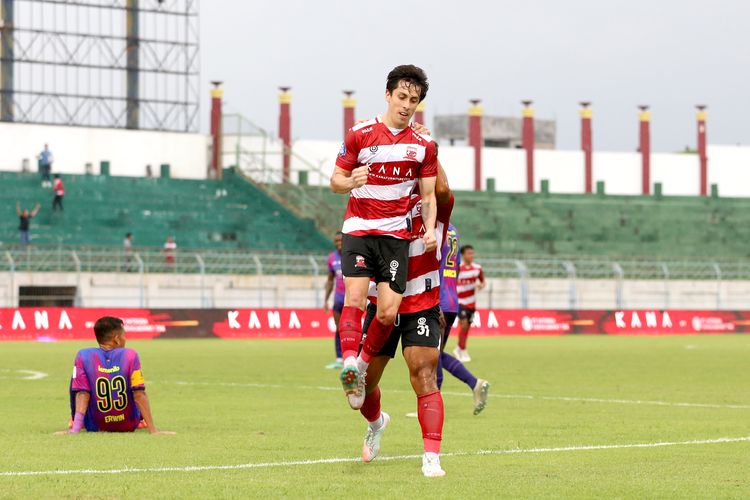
x=449, y=266
x=107, y=391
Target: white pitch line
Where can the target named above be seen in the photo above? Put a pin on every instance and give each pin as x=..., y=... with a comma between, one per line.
x=30, y=374
x=320, y=461
x=492, y=395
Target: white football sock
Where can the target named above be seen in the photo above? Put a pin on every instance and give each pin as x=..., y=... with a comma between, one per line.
x=377, y=424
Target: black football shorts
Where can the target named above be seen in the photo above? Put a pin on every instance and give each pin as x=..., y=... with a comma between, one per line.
x=420, y=329
x=466, y=313
x=380, y=257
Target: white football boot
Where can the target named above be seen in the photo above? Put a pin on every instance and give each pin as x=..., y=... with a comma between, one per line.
x=480, y=395
x=371, y=446
x=431, y=465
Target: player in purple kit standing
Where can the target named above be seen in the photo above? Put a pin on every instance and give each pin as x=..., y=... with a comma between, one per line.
x=335, y=283
x=107, y=391
x=449, y=266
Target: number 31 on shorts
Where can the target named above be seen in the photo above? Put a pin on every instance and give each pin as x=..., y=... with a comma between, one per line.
x=422, y=327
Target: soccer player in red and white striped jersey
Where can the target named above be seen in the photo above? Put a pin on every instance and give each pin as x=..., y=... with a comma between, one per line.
x=470, y=280
x=419, y=329
x=380, y=164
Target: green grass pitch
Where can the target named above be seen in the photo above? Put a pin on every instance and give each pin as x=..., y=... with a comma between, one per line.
x=268, y=405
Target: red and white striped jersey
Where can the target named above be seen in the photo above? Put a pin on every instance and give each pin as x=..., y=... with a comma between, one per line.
x=423, y=276
x=395, y=163
x=469, y=276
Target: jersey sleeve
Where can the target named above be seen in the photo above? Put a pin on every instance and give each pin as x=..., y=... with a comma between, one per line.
x=136, y=375
x=430, y=163
x=349, y=152
x=80, y=380
x=330, y=264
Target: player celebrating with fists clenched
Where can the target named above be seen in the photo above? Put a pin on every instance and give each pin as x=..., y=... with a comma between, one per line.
x=379, y=165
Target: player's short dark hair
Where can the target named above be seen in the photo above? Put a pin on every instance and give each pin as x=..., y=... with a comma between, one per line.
x=466, y=247
x=339, y=233
x=106, y=326
x=410, y=74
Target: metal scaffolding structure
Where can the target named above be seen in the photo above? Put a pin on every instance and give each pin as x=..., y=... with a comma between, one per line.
x=100, y=63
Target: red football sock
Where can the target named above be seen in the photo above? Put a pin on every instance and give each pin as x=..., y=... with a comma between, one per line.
x=462, y=336
x=350, y=330
x=377, y=336
x=431, y=415
x=371, y=407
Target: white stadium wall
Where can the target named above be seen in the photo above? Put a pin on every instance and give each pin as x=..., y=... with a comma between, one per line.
x=128, y=151
x=230, y=291
x=728, y=167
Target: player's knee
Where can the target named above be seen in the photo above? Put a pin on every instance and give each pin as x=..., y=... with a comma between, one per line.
x=387, y=315
x=356, y=299
x=424, y=378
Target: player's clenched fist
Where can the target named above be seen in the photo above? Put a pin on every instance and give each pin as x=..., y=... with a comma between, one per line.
x=359, y=177
x=429, y=241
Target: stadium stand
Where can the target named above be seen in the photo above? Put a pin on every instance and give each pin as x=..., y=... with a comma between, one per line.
x=99, y=210
x=540, y=224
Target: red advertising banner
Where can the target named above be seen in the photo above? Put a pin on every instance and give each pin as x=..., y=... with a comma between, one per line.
x=56, y=323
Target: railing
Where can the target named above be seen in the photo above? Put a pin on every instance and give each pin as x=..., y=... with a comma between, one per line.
x=565, y=282
x=101, y=259
x=258, y=157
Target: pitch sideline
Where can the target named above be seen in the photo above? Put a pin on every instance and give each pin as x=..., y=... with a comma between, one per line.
x=321, y=461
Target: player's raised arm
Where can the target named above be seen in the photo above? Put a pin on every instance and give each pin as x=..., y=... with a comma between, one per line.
x=442, y=189
x=429, y=211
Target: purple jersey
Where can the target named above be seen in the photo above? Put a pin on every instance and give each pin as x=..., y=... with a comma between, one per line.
x=334, y=267
x=110, y=377
x=449, y=271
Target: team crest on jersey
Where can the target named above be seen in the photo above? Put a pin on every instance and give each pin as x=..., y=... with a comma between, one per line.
x=411, y=153
x=394, y=269
x=342, y=151
x=359, y=261
x=373, y=149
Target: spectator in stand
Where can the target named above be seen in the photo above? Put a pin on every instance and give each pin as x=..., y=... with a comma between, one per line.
x=45, y=165
x=59, y=189
x=127, y=246
x=170, y=250
x=24, y=217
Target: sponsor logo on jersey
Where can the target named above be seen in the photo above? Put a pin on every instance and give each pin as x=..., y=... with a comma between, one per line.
x=365, y=130
x=373, y=149
x=108, y=370
x=342, y=151
x=411, y=153
x=390, y=170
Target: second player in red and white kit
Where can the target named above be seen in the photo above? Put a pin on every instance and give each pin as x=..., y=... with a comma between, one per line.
x=470, y=280
x=379, y=165
x=419, y=330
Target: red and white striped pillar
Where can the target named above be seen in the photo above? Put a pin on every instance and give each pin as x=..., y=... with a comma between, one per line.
x=645, y=148
x=587, y=145
x=702, y=153
x=217, y=93
x=419, y=114
x=475, y=140
x=285, y=130
x=527, y=141
x=349, y=104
